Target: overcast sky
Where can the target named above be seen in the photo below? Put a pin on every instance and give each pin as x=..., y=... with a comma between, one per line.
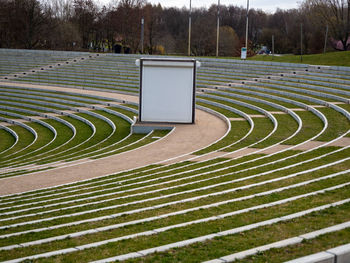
x=266, y=5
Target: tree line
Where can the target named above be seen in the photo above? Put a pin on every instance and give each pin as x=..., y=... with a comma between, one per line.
x=84, y=25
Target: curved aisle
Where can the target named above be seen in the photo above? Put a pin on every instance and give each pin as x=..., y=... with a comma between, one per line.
x=183, y=140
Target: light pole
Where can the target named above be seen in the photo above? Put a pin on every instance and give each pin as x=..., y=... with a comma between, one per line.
x=273, y=46
x=189, y=29
x=246, y=27
x=218, y=30
x=301, y=42
x=325, y=40
x=142, y=33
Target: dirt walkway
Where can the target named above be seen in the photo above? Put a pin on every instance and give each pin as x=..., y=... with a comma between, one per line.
x=185, y=139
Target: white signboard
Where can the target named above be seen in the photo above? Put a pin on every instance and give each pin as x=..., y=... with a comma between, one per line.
x=167, y=90
x=244, y=53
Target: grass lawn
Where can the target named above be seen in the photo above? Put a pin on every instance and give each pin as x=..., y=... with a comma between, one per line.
x=340, y=58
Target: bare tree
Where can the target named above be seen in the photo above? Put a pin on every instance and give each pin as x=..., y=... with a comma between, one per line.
x=128, y=23
x=175, y=24
x=229, y=42
x=67, y=24
x=153, y=20
x=6, y=35
x=335, y=13
x=85, y=13
x=204, y=31
x=62, y=9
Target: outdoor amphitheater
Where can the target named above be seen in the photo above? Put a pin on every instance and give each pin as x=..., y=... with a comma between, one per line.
x=263, y=175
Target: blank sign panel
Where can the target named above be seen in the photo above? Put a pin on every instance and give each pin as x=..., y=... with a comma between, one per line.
x=167, y=91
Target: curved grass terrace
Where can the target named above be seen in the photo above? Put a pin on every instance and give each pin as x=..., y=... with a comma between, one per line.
x=280, y=173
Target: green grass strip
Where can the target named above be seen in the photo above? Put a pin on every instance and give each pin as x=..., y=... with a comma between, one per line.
x=238, y=130
x=338, y=58
x=312, y=125
x=6, y=140
x=271, y=233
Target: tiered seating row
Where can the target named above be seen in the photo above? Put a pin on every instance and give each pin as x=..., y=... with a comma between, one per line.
x=13, y=61
x=280, y=179
x=68, y=127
